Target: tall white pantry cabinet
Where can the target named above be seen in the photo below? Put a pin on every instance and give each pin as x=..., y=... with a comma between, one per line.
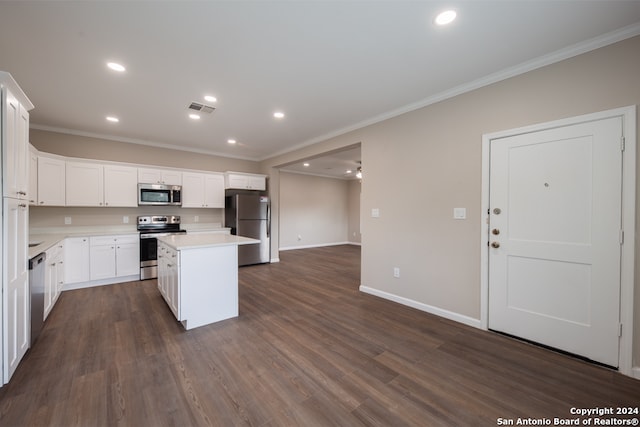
x=15, y=319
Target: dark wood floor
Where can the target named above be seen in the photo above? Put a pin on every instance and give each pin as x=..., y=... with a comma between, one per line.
x=308, y=349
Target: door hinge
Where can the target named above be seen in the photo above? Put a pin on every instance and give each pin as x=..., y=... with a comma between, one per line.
x=622, y=143
x=622, y=237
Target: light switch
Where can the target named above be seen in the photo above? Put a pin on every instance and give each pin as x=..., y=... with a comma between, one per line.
x=460, y=213
x=375, y=213
x=67, y=220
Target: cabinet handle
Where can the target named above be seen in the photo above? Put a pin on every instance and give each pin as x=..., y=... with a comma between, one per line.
x=169, y=265
x=22, y=205
x=42, y=203
x=53, y=264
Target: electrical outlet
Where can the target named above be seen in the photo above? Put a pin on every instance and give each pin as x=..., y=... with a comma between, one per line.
x=67, y=220
x=125, y=219
x=396, y=272
x=196, y=218
x=375, y=213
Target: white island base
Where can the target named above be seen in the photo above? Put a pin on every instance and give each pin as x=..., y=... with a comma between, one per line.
x=198, y=276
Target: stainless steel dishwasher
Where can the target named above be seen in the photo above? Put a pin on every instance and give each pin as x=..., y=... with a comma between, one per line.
x=36, y=286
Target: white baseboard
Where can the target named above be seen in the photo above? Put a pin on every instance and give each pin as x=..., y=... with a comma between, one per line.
x=635, y=372
x=470, y=321
x=321, y=245
x=101, y=282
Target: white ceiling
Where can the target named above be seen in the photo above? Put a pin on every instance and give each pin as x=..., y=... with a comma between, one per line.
x=331, y=66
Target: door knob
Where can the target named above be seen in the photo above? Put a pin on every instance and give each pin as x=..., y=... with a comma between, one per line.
x=495, y=231
x=497, y=211
x=495, y=245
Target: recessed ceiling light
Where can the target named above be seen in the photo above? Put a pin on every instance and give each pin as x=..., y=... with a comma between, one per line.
x=445, y=17
x=116, y=67
x=194, y=116
x=210, y=98
x=348, y=171
x=278, y=115
x=306, y=165
x=231, y=141
x=113, y=119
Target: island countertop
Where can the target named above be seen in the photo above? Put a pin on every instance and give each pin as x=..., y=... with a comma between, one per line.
x=194, y=241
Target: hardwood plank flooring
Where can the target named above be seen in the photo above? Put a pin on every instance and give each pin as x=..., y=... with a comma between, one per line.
x=308, y=349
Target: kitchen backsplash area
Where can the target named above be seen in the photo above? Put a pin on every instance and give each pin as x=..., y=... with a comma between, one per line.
x=42, y=217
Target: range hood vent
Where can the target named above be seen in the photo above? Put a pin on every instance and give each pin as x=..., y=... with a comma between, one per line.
x=196, y=106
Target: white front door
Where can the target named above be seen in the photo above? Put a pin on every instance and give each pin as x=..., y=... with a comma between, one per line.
x=555, y=235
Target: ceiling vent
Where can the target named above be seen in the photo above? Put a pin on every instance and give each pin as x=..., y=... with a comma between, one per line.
x=196, y=106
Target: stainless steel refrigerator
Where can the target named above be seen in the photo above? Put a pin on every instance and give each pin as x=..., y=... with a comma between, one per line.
x=247, y=213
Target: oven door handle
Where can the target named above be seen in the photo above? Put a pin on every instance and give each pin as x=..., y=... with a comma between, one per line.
x=154, y=235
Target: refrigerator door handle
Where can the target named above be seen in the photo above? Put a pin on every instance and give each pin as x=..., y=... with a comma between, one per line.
x=268, y=221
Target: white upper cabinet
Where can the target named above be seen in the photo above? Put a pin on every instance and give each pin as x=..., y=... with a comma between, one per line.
x=92, y=184
x=202, y=190
x=120, y=186
x=84, y=184
x=245, y=181
x=15, y=147
x=51, y=181
x=159, y=176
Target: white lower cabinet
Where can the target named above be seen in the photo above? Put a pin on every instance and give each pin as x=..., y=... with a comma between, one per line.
x=200, y=285
x=114, y=256
x=168, y=279
x=53, y=276
x=76, y=256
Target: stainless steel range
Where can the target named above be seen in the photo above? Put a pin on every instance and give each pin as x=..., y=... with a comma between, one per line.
x=150, y=228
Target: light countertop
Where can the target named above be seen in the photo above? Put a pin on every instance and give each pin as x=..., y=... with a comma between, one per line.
x=194, y=241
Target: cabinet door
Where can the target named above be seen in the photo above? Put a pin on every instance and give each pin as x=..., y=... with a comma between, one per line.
x=17, y=298
x=33, y=178
x=76, y=260
x=149, y=176
x=236, y=181
x=172, y=177
x=51, y=181
x=84, y=184
x=193, y=188
x=162, y=271
x=15, y=148
x=257, y=183
x=102, y=261
x=159, y=176
x=214, y=191
x=50, y=273
x=120, y=186
x=173, y=284
x=127, y=259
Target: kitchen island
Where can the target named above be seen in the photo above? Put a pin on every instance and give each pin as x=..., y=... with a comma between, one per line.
x=198, y=276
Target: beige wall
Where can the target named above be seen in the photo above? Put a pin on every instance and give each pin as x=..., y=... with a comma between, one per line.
x=354, y=211
x=103, y=149
x=314, y=211
x=420, y=165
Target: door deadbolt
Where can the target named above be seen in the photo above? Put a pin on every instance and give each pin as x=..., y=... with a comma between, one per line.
x=495, y=231
x=495, y=245
x=497, y=211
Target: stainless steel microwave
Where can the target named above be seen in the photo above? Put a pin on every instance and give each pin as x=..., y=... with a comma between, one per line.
x=159, y=195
